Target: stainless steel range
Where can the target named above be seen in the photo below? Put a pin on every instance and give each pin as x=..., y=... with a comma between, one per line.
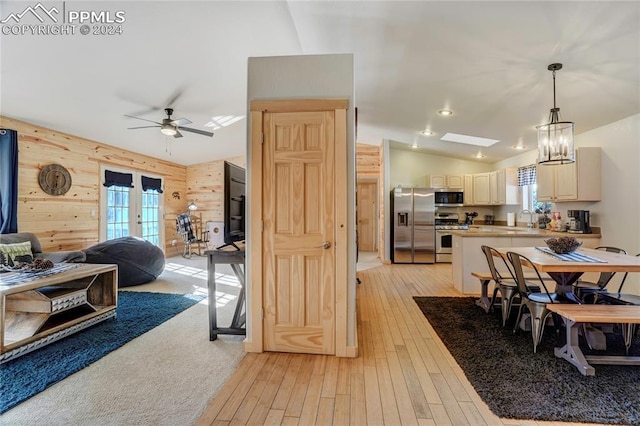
x=444, y=222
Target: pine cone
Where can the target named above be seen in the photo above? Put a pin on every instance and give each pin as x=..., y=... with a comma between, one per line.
x=40, y=263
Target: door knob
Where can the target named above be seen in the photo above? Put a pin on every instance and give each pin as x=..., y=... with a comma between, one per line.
x=325, y=245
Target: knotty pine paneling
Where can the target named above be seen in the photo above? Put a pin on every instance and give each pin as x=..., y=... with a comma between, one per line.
x=367, y=161
x=71, y=221
x=205, y=186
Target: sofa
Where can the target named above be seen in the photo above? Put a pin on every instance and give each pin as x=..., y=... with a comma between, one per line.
x=36, y=248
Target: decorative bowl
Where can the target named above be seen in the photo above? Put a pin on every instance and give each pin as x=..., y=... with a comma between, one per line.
x=563, y=245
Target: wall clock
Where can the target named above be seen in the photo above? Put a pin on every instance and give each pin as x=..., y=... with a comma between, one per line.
x=54, y=179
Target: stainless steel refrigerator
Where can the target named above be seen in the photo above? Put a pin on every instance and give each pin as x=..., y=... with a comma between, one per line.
x=413, y=225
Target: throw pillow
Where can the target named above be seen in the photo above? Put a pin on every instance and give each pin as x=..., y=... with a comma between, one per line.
x=13, y=250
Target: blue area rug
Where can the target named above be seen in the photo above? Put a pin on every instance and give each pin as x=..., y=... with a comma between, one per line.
x=137, y=313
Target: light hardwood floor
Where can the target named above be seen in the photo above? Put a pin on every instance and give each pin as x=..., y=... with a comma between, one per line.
x=404, y=374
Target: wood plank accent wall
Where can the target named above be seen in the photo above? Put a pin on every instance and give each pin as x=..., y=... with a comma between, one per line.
x=370, y=167
x=205, y=186
x=367, y=162
x=65, y=222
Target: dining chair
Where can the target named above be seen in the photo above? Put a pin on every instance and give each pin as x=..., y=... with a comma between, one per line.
x=505, y=285
x=535, y=302
x=624, y=278
x=587, y=289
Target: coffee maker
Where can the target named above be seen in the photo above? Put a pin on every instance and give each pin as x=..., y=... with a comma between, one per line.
x=579, y=221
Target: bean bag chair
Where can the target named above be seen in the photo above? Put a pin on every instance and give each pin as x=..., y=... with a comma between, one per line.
x=138, y=260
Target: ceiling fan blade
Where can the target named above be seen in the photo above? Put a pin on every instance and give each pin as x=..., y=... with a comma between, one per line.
x=200, y=132
x=178, y=134
x=144, y=119
x=141, y=127
x=174, y=96
x=181, y=122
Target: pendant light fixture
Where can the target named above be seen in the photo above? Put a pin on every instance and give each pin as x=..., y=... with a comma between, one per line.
x=555, y=139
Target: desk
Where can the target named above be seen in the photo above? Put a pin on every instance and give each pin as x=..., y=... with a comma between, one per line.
x=565, y=273
x=234, y=258
x=575, y=314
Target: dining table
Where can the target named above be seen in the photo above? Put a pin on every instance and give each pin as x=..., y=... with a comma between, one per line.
x=565, y=270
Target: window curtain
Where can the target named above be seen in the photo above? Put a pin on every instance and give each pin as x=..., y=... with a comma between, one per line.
x=527, y=175
x=124, y=180
x=151, y=184
x=8, y=181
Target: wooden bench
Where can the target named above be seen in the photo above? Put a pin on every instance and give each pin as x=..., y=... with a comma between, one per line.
x=573, y=315
x=485, y=279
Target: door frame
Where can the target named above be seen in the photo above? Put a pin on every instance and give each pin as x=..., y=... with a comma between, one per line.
x=255, y=311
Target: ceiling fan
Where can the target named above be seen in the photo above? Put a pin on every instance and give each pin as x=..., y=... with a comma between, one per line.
x=171, y=127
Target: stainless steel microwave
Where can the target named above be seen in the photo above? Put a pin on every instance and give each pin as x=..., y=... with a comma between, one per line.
x=448, y=198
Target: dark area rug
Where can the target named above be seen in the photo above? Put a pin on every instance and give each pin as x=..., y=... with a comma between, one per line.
x=518, y=384
x=137, y=313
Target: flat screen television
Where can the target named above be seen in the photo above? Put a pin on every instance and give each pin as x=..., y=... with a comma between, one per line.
x=234, y=204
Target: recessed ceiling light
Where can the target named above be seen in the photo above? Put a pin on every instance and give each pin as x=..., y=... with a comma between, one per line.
x=415, y=145
x=479, y=155
x=469, y=140
x=426, y=132
x=519, y=146
x=445, y=112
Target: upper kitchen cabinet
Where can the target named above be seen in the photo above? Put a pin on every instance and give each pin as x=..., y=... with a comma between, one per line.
x=444, y=181
x=499, y=187
x=468, y=190
x=503, y=186
x=481, y=189
x=579, y=181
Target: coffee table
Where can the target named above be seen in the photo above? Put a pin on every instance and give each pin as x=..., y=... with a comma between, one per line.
x=39, y=308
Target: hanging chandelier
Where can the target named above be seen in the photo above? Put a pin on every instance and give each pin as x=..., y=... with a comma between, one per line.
x=555, y=139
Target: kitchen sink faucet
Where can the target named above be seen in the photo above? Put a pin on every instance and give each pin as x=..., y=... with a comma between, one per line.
x=530, y=222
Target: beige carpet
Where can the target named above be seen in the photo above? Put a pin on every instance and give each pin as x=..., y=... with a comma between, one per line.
x=164, y=377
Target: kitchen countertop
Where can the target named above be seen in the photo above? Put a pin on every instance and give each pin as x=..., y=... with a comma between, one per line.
x=511, y=231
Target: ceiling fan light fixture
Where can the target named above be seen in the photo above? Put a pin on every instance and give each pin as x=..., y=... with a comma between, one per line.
x=555, y=139
x=168, y=130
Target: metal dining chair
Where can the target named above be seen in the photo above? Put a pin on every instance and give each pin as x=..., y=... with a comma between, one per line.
x=586, y=289
x=535, y=302
x=505, y=285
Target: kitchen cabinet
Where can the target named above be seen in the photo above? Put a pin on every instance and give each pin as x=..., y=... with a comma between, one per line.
x=481, y=189
x=467, y=189
x=503, y=186
x=499, y=187
x=445, y=181
x=579, y=181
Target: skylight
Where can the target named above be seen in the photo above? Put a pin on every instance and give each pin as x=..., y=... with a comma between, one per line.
x=220, y=121
x=469, y=140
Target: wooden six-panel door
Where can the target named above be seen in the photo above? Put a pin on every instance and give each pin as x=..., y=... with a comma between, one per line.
x=366, y=212
x=298, y=232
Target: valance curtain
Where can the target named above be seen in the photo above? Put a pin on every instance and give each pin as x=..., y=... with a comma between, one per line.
x=124, y=180
x=8, y=181
x=151, y=184
x=527, y=175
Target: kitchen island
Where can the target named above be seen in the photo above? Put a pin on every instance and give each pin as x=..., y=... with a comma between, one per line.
x=468, y=256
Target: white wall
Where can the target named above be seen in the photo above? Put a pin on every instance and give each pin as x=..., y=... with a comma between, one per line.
x=300, y=77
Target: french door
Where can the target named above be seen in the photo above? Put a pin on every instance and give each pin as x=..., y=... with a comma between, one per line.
x=131, y=205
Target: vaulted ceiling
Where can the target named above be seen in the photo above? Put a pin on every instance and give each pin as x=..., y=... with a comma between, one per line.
x=485, y=61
